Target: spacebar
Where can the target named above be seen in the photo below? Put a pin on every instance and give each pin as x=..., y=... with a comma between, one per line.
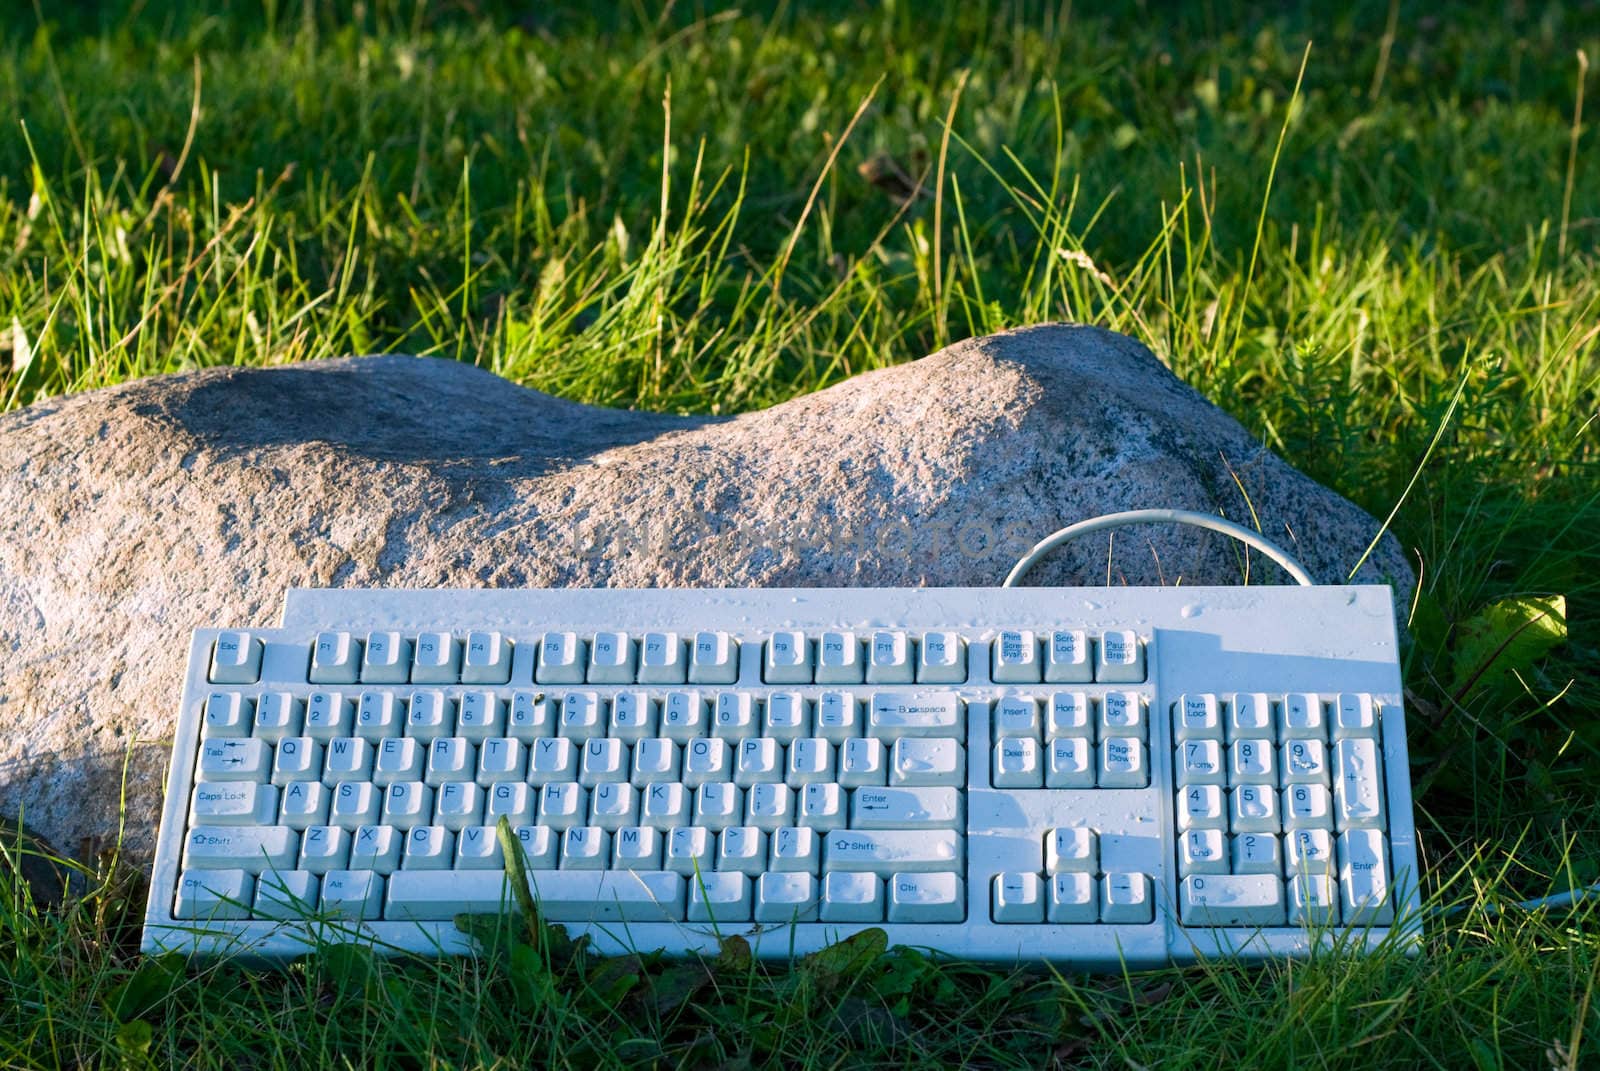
x=563, y=895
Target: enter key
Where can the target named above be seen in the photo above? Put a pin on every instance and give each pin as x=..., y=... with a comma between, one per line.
x=906, y=808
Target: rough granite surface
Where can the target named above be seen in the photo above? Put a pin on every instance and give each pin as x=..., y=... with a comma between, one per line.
x=130, y=515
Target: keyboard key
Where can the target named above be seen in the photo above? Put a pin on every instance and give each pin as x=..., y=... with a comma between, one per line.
x=890, y=658
x=335, y=658
x=296, y=759
x=1358, y=783
x=585, y=848
x=436, y=659
x=839, y=660
x=234, y=760
x=1203, y=851
x=786, y=897
x=1069, y=850
x=796, y=849
x=1125, y=898
x=737, y=716
x=325, y=848
x=1313, y=901
x=355, y=804
x=354, y=894
x=788, y=659
x=242, y=803
x=287, y=894
x=251, y=849
x=714, y=659
x=1122, y=714
x=1067, y=657
x=636, y=848
x=612, y=659
x=1355, y=715
x=349, y=758
x=907, y=808
x=305, y=803
x=1364, y=878
x=1199, y=762
x=1307, y=807
x=1120, y=657
x=539, y=846
x=915, y=761
x=927, y=898
x=1302, y=717
x=377, y=848
x=1017, y=764
x=896, y=714
x=1122, y=763
x=1016, y=716
x=1252, y=762
x=1304, y=762
x=480, y=715
x=562, y=895
x=210, y=893
x=278, y=714
x=583, y=716
x=1069, y=715
x=1015, y=658
x=823, y=807
x=942, y=658
x=235, y=659
x=1074, y=899
x=1017, y=898
x=742, y=849
x=387, y=659
x=1249, y=717
x=1196, y=717
x=691, y=850
x=227, y=714
x=486, y=659
x=787, y=717
x=1202, y=807
x=861, y=761
x=1253, y=809
x=399, y=759
x=1070, y=763
x=838, y=716
x=429, y=848
x=1231, y=900
x=852, y=897
x=1308, y=852
x=562, y=656
x=663, y=659
x=892, y=851
x=430, y=715
x=1257, y=853
x=721, y=898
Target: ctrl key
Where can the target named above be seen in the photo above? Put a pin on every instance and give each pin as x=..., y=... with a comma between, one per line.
x=214, y=894
x=927, y=898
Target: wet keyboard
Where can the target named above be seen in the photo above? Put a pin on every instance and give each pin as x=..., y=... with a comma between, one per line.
x=1093, y=776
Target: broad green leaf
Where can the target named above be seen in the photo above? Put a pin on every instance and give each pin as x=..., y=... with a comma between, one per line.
x=1504, y=638
x=150, y=984
x=848, y=957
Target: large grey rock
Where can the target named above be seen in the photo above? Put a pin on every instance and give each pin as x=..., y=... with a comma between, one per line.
x=130, y=515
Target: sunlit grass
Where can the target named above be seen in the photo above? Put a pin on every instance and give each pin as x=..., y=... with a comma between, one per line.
x=663, y=211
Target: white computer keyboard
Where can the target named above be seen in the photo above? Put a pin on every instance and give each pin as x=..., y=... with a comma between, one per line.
x=1097, y=776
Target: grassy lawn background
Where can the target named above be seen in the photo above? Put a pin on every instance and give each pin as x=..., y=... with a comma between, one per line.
x=659, y=207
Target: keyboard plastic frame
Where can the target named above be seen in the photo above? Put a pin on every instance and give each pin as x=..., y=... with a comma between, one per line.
x=1265, y=638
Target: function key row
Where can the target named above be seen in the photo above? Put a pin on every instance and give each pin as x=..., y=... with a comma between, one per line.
x=887, y=656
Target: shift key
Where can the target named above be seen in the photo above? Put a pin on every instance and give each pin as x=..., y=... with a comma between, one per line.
x=893, y=851
x=251, y=850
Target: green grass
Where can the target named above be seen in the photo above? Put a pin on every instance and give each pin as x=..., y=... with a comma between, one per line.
x=660, y=208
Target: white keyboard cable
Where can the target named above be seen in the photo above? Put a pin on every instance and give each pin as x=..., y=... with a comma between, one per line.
x=1158, y=516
